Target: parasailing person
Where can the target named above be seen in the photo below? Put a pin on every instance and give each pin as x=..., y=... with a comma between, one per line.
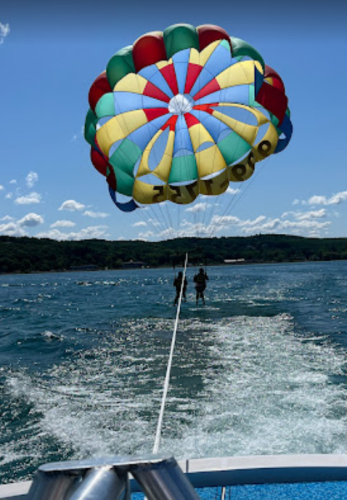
x=200, y=285
x=178, y=285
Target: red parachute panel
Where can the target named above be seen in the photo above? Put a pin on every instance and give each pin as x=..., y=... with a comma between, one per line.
x=148, y=49
x=209, y=33
x=98, y=89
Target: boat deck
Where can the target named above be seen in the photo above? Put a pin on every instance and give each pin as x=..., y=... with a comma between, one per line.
x=314, y=477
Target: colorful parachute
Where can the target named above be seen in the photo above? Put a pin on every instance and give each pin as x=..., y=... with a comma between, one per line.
x=183, y=113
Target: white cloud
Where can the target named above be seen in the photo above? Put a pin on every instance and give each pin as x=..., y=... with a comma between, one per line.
x=308, y=225
x=13, y=181
x=333, y=200
x=31, y=220
x=146, y=236
x=139, y=224
x=313, y=214
x=72, y=205
x=28, y=199
x=31, y=179
x=296, y=202
x=12, y=229
x=63, y=223
x=9, y=196
x=154, y=222
x=16, y=228
x=95, y=215
x=276, y=225
x=199, y=207
x=1, y=187
x=231, y=190
x=92, y=232
x=252, y=223
x=4, y=31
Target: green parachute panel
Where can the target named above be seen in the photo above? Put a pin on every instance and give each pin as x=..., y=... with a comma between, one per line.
x=183, y=168
x=179, y=37
x=120, y=65
x=90, y=127
x=240, y=48
x=105, y=106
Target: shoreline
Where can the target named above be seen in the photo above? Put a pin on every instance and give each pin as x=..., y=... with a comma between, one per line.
x=64, y=271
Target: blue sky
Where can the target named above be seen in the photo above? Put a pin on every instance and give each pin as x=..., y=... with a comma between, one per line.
x=50, y=53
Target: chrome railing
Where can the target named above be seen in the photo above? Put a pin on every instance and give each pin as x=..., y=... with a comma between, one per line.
x=160, y=478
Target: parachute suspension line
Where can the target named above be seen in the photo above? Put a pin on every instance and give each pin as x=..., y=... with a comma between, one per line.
x=213, y=220
x=165, y=225
x=155, y=221
x=168, y=369
x=172, y=229
x=195, y=218
x=177, y=214
x=147, y=221
x=178, y=221
x=232, y=205
x=207, y=217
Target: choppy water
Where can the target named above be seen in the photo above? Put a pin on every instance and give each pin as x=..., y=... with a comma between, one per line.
x=260, y=370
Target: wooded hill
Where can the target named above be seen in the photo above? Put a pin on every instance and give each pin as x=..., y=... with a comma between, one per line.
x=32, y=254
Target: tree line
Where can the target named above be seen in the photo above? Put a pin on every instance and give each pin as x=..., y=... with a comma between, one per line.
x=23, y=254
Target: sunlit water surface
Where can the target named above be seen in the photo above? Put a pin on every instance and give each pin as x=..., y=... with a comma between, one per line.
x=261, y=369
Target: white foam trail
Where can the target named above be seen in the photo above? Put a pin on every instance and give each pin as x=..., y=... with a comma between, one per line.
x=240, y=386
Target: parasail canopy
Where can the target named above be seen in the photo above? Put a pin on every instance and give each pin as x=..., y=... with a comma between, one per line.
x=183, y=113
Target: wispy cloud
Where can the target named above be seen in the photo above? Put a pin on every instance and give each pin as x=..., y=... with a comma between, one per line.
x=13, y=181
x=231, y=190
x=335, y=199
x=1, y=187
x=63, y=223
x=147, y=235
x=96, y=215
x=7, y=218
x=31, y=179
x=140, y=224
x=199, y=207
x=4, y=32
x=29, y=199
x=313, y=214
x=77, y=136
x=72, y=205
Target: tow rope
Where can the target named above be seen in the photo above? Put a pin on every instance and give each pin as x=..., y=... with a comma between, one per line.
x=168, y=369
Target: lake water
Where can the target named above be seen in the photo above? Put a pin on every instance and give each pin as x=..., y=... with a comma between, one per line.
x=261, y=369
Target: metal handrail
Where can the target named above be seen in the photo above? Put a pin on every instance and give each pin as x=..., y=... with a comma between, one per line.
x=160, y=478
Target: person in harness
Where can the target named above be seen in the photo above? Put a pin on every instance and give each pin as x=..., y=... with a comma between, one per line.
x=177, y=284
x=200, y=285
